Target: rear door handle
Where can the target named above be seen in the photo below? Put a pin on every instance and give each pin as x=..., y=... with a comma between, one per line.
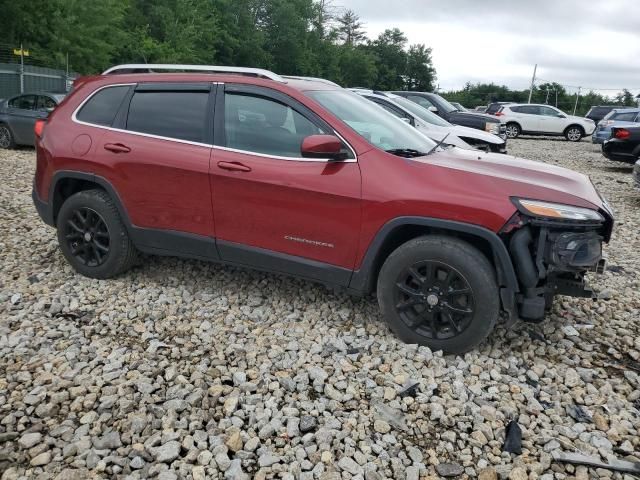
x=234, y=166
x=117, y=148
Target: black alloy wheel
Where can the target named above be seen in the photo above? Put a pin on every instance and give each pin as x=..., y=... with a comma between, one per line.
x=87, y=237
x=434, y=300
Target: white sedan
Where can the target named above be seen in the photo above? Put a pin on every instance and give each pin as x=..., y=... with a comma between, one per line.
x=532, y=119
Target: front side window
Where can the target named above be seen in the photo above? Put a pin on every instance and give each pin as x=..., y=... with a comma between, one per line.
x=45, y=103
x=261, y=125
x=102, y=107
x=421, y=112
x=179, y=114
x=377, y=126
x=24, y=102
x=549, y=112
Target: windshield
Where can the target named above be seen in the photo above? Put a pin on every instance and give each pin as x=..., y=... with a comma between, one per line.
x=421, y=112
x=445, y=104
x=375, y=124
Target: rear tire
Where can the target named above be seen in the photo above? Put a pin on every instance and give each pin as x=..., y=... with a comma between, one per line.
x=574, y=133
x=440, y=292
x=92, y=236
x=6, y=137
x=513, y=130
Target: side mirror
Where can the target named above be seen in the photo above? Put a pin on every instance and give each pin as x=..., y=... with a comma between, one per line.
x=561, y=115
x=433, y=109
x=406, y=120
x=322, y=146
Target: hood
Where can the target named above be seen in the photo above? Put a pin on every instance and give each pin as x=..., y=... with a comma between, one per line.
x=461, y=131
x=517, y=177
x=478, y=116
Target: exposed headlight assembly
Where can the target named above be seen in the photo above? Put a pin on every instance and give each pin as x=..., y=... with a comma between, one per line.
x=537, y=208
x=492, y=127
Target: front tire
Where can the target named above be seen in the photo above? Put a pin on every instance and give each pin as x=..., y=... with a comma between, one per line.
x=513, y=130
x=6, y=137
x=92, y=236
x=440, y=292
x=574, y=133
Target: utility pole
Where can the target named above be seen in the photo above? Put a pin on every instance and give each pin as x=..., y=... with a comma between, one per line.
x=577, y=96
x=556, y=97
x=546, y=100
x=21, y=68
x=533, y=81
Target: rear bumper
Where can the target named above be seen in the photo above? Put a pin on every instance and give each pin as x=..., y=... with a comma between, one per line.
x=43, y=208
x=620, y=151
x=600, y=136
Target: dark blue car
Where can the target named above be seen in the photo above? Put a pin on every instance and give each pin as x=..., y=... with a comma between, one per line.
x=618, y=117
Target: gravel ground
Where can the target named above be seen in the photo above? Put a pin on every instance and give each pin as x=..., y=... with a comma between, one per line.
x=183, y=369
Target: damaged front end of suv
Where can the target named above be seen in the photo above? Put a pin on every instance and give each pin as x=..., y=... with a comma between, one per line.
x=553, y=246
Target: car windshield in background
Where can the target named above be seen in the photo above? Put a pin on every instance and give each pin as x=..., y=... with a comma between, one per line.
x=421, y=112
x=58, y=96
x=375, y=124
x=447, y=106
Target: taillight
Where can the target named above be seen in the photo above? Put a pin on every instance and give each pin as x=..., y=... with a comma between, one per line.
x=38, y=128
x=499, y=114
x=622, y=133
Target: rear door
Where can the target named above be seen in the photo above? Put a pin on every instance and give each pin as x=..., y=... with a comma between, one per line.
x=528, y=117
x=22, y=117
x=157, y=157
x=274, y=209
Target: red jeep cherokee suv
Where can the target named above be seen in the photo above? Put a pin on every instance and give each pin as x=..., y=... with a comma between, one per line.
x=299, y=176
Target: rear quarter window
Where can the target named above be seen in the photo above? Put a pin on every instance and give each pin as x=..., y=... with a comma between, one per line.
x=625, y=116
x=102, y=107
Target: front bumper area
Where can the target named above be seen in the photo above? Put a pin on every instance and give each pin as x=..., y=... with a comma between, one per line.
x=552, y=258
x=43, y=208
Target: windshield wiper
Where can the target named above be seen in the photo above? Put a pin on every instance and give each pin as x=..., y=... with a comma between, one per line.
x=435, y=147
x=406, y=152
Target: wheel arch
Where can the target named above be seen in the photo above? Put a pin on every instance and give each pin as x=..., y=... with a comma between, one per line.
x=575, y=125
x=66, y=183
x=402, y=229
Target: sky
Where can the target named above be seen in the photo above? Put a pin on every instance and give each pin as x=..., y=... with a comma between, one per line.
x=590, y=43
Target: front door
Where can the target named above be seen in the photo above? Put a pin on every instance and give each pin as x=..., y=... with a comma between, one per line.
x=550, y=121
x=22, y=117
x=273, y=208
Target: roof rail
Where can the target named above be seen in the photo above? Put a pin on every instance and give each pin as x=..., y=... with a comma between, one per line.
x=153, y=67
x=313, y=79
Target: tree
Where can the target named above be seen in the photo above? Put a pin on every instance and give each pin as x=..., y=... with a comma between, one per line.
x=625, y=98
x=391, y=59
x=350, y=28
x=420, y=73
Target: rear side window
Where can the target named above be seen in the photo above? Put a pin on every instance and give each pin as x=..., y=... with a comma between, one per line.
x=625, y=116
x=180, y=115
x=102, y=107
x=421, y=101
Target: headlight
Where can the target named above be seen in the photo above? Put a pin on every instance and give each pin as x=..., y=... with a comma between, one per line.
x=492, y=127
x=537, y=208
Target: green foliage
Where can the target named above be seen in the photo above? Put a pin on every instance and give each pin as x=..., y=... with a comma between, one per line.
x=552, y=93
x=295, y=37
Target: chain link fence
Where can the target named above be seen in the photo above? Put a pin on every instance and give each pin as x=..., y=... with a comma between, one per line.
x=21, y=70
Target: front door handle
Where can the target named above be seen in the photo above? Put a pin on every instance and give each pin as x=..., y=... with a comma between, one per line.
x=117, y=148
x=234, y=166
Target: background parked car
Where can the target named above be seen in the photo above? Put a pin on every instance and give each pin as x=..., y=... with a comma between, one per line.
x=432, y=125
x=440, y=106
x=598, y=113
x=618, y=117
x=495, y=107
x=18, y=115
x=624, y=144
x=534, y=119
x=480, y=109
